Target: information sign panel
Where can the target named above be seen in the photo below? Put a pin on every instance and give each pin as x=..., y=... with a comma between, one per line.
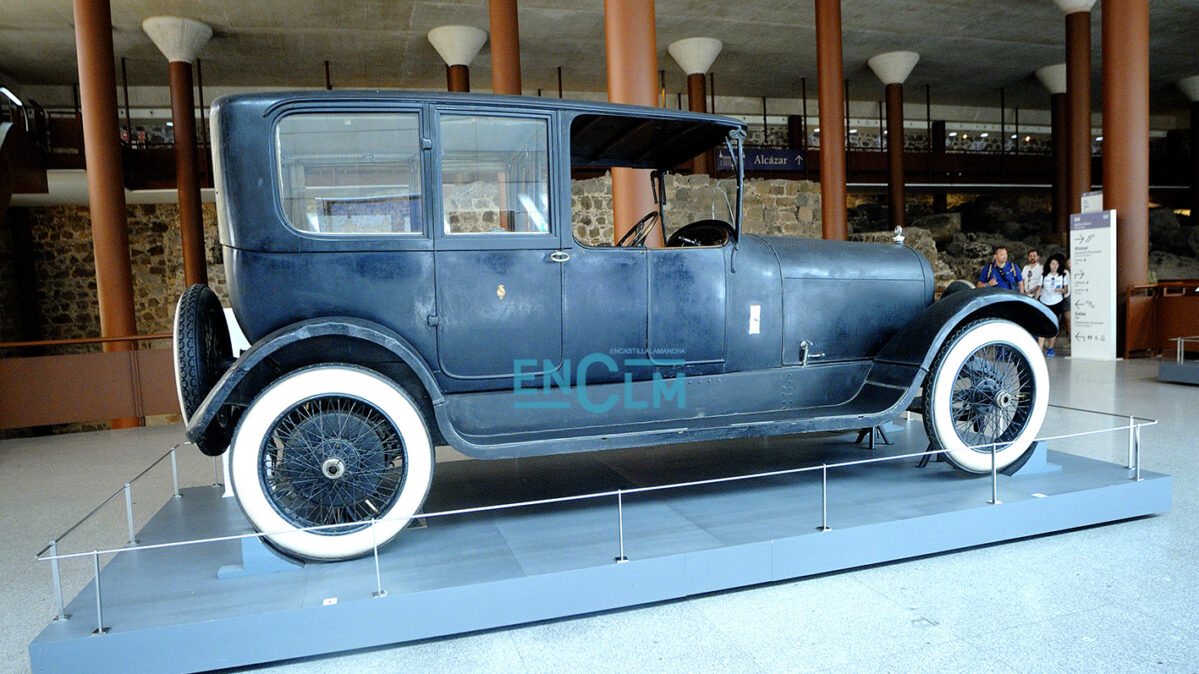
x=1093, y=285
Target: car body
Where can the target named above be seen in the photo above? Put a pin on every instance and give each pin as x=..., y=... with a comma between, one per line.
x=420, y=246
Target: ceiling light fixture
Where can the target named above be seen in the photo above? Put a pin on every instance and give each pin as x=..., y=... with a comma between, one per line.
x=984, y=134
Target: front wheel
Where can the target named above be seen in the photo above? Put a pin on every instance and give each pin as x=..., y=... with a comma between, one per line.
x=327, y=446
x=988, y=389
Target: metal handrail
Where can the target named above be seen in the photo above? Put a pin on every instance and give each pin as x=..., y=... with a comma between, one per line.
x=1182, y=346
x=122, y=490
x=1134, y=426
x=86, y=340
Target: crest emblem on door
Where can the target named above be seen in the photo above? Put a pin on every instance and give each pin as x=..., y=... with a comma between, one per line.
x=500, y=291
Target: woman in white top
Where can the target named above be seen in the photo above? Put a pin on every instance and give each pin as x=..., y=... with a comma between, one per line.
x=1053, y=293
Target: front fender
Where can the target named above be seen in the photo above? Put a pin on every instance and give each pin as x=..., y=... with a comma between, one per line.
x=335, y=339
x=919, y=342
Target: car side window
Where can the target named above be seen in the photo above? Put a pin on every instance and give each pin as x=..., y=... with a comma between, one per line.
x=494, y=174
x=351, y=173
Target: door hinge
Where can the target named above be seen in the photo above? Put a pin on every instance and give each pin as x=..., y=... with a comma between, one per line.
x=434, y=321
x=426, y=143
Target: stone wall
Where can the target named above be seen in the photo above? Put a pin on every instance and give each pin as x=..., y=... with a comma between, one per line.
x=65, y=268
x=783, y=207
x=10, y=329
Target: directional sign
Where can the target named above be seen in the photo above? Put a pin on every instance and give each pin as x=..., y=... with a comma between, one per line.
x=1093, y=285
x=762, y=159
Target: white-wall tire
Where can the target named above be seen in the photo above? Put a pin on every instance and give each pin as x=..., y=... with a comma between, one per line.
x=257, y=474
x=989, y=383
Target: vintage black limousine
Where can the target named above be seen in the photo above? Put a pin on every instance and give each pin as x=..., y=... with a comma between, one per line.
x=405, y=268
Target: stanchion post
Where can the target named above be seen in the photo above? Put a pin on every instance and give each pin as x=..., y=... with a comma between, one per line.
x=216, y=471
x=1136, y=455
x=100, y=628
x=61, y=615
x=620, y=524
x=824, y=497
x=129, y=513
x=994, y=479
x=175, y=472
x=1132, y=429
x=379, y=591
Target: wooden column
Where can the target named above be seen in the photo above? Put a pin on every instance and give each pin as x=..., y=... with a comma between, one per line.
x=631, y=40
x=1078, y=90
x=191, y=218
x=895, y=153
x=457, y=78
x=105, y=177
x=1054, y=78
x=1195, y=162
x=1126, y=135
x=505, y=47
x=697, y=101
x=180, y=39
x=832, y=124
x=1061, y=164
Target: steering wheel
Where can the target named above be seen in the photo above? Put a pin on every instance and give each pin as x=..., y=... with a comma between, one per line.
x=639, y=232
x=701, y=233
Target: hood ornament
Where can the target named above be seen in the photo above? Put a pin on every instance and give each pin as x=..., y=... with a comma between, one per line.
x=898, y=235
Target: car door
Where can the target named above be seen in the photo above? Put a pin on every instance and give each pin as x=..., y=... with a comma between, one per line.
x=498, y=267
x=687, y=306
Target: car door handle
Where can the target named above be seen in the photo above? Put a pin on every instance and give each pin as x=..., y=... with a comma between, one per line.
x=559, y=256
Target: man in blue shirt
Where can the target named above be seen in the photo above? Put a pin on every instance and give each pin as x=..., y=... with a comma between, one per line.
x=1001, y=273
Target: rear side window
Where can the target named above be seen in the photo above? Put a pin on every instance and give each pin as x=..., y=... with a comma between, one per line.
x=351, y=174
x=494, y=174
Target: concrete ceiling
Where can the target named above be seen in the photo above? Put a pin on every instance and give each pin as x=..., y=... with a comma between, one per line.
x=969, y=49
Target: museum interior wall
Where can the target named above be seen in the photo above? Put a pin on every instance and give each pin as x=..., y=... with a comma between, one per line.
x=957, y=242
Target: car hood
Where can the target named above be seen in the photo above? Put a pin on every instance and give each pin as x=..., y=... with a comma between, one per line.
x=818, y=258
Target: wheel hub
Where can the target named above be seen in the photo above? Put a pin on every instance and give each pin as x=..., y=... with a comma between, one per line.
x=331, y=460
x=333, y=468
x=1003, y=399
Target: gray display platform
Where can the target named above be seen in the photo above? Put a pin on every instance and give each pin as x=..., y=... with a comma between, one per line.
x=1186, y=372
x=168, y=610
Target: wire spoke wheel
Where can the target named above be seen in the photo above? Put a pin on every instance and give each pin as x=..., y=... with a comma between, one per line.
x=992, y=396
x=987, y=391
x=333, y=446
x=332, y=460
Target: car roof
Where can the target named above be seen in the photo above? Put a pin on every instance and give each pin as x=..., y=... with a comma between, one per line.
x=601, y=134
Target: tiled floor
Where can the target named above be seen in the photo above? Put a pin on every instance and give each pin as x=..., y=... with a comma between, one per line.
x=1121, y=597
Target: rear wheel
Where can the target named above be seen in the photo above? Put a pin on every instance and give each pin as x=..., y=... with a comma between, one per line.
x=202, y=347
x=988, y=387
x=331, y=446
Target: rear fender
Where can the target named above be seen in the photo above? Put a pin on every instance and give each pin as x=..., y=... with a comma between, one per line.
x=322, y=340
x=918, y=343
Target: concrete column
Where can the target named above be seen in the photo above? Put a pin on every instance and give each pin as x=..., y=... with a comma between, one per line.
x=505, y=47
x=1190, y=87
x=830, y=80
x=105, y=177
x=457, y=46
x=1054, y=79
x=180, y=40
x=1078, y=93
x=695, y=55
x=1126, y=136
x=631, y=41
x=892, y=69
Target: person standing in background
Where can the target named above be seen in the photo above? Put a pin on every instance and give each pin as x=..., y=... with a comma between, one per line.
x=1032, y=273
x=1054, y=293
x=1001, y=273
